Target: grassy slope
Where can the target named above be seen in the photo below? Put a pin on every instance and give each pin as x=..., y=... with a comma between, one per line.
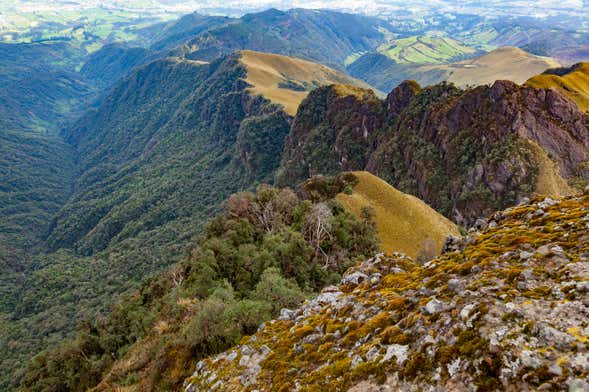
x=506, y=63
x=574, y=83
x=404, y=223
x=287, y=80
x=549, y=181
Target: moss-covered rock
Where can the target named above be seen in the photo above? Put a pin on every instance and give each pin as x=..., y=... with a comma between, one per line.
x=508, y=312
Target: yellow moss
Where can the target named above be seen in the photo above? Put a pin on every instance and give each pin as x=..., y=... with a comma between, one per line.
x=303, y=331
x=576, y=332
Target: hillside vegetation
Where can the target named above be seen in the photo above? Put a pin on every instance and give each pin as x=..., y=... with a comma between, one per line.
x=28, y=202
x=265, y=251
x=572, y=82
x=40, y=90
x=403, y=222
x=155, y=158
x=507, y=309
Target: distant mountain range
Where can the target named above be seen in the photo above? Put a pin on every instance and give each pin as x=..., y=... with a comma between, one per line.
x=507, y=63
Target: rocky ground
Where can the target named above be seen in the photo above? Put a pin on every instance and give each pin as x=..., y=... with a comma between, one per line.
x=507, y=308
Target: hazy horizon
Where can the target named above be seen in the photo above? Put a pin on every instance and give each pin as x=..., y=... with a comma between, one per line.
x=540, y=8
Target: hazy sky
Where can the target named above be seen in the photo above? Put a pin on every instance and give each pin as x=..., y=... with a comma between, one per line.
x=538, y=8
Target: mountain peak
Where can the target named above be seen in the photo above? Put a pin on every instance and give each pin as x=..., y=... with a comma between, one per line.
x=401, y=96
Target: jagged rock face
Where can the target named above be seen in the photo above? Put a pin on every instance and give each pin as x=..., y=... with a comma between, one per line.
x=335, y=130
x=401, y=97
x=548, y=118
x=508, y=312
x=466, y=153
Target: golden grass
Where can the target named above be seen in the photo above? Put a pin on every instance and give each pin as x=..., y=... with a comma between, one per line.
x=404, y=223
x=574, y=85
x=506, y=63
x=549, y=181
x=346, y=90
x=266, y=71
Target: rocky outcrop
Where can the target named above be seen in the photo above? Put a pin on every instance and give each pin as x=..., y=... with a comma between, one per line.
x=572, y=82
x=465, y=152
x=548, y=118
x=507, y=312
x=336, y=129
x=401, y=97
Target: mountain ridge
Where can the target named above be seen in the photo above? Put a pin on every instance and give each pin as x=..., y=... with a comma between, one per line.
x=573, y=82
x=287, y=80
x=417, y=137
x=329, y=37
x=506, y=309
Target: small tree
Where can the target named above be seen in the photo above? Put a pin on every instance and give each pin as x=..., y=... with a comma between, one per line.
x=318, y=229
x=278, y=291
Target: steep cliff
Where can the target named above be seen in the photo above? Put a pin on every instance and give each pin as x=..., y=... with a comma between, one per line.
x=464, y=152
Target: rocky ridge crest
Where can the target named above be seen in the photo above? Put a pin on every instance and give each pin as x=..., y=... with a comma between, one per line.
x=506, y=310
x=467, y=153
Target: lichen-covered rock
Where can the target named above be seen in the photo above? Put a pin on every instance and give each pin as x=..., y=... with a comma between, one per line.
x=480, y=319
x=452, y=244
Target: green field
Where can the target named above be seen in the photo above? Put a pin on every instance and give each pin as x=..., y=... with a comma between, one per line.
x=480, y=37
x=426, y=50
x=353, y=57
x=89, y=28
